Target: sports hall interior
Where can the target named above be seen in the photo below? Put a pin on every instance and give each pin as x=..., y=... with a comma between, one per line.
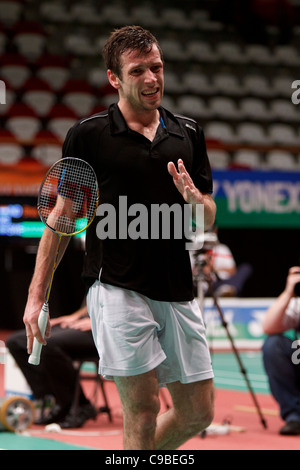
x=237, y=76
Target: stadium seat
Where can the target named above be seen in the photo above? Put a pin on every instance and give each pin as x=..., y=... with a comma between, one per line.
x=9, y=96
x=14, y=69
x=198, y=83
x=115, y=14
x=201, y=51
x=254, y=109
x=284, y=110
x=79, y=44
x=223, y=107
x=173, y=50
x=54, y=69
x=146, y=15
x=97, y=77
x=193, y=106
x=85, y=14
x=260, y=55
x=173, y=84
x=11, y=151
x=283, y=134
x=281, y=160
x=252, y=133
x=60, y=119
x=227, y=84
x=47, y=149
x=175, y=18
x=219, y=159
x=22, y=121
x=79, y=96
x=287, y=55
x=257, y=86
x=246, y=158
x=10, y=11
x=231, y=52
x=30, y=39
x=54, y=11
x=38, y=94
x=220, y=131
x=282, y=85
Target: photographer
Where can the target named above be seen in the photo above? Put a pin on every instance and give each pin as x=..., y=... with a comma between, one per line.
x=283, y=374
x=218, y=264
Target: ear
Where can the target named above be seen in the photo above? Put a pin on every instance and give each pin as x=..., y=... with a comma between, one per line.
x=113, y=79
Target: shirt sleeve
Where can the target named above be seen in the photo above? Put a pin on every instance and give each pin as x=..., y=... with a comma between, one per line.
x=73, y=144
x=201, y=170
x=292, y=314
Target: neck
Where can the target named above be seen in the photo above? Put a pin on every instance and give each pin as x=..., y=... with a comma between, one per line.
x=145, y=122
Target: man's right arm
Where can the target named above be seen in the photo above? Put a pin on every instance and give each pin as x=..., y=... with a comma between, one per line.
x=40, y=283
x=274, y=321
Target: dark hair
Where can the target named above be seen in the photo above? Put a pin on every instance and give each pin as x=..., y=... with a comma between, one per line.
x=127, y=38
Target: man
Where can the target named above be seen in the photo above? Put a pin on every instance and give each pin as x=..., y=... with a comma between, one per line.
x=146, y=325
x=278, y=353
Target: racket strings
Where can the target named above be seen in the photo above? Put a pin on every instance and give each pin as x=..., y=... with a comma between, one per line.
x=68, y=196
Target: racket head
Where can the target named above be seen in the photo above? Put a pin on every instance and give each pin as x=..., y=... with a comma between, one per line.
x=68, y=196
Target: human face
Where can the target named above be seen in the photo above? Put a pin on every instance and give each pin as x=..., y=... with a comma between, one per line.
x=142, y=82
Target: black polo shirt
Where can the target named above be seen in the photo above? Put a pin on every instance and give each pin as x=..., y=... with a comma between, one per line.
x=128, y=164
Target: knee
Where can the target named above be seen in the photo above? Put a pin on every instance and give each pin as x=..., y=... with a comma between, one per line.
x=202, y=419
x=199, y=418
x=272, y=346
x=143, y=415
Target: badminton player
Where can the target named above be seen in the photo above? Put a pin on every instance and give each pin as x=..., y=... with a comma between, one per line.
x=147, y=326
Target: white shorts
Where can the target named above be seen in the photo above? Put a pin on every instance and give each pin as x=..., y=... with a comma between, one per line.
x=134, y=334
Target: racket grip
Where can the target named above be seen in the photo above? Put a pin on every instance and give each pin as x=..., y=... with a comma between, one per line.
x=34, y=357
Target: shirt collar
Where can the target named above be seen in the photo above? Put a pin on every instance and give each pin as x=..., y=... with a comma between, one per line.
x=118, y=124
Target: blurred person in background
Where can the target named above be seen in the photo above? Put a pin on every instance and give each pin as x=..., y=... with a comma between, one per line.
x=279, y=353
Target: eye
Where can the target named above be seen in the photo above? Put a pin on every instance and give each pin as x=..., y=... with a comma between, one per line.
x=136, y=71
x=156, y=68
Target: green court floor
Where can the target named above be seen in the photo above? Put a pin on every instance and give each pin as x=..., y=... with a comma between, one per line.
x=12, y=441
x=228, y=373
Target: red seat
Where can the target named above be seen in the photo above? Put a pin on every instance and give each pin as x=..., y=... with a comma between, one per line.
x=37, y=93
x=10, y=150
x=14, y=69
x=30, y=39
x=60, y=118
x=47, y=149
x=22, y=121
x=79, y=95
x=54, y=70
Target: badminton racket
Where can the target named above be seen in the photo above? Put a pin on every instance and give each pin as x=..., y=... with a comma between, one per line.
x=67, y=203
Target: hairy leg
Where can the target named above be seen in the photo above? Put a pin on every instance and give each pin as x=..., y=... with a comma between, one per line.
x=192, y=412
x=140, y=404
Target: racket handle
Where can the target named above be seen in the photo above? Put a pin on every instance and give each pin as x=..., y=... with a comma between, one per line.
x=34, y=357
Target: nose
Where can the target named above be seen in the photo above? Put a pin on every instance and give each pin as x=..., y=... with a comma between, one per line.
x=150, y=77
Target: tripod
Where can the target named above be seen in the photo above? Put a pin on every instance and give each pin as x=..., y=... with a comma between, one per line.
x=200, y=277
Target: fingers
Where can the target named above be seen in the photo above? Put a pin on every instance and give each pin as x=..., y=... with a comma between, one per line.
x=294, y=269
x=172, y=170
x=32, y=331
x=184, y=182
x=30, y=338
